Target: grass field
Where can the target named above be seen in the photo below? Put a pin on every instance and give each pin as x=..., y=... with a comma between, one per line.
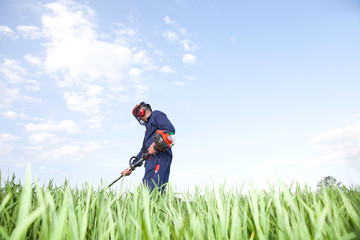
x=30, y=211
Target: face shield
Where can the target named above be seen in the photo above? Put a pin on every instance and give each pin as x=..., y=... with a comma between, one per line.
x=138, y=113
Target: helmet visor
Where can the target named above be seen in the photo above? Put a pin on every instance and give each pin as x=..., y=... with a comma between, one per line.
x=137, y=114
x=136, y=111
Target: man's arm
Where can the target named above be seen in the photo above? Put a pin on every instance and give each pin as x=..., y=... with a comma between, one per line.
x=164, y=123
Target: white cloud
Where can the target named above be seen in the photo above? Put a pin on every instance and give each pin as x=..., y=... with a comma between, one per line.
x=5, y=30
x=6, y=143
x=17, y=75
x=12, y=71
x=123, y=31
x=166, y=69
x=118, y=89
x=67, y=150
x=43, y=137
x=85, y=61
x=171, y=36
x=81, y=60
x=74, y=151
x=337, y=138
x=179, y=83
x=141, y=90
x=81, y=103
x=29, y=31
x=6, y=137
x=9, y=114
x=189, y=58
x=135, y=72
x=34, y=87
x=340, y=144
x=75, y=47
x=190, y=78
x=10, y=95
x=94, y=90
x=95, y=122
x=124, y=35
x=141, y=58
x=337, y=150
x=7, y=96
x=14, y=115
x=67, y=126
x=33, y=60
x=188, y=81
x=169, y=21
x=128, y=32
x=188, y=45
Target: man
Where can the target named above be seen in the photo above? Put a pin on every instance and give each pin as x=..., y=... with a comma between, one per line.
x=157, y=167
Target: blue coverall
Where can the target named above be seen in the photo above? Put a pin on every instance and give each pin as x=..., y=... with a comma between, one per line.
x=157, y=168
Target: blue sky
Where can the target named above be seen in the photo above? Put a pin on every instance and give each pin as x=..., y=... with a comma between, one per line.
x=257, y=90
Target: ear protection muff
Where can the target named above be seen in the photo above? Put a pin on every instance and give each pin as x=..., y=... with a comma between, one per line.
x=142, y=112
x=138, y=112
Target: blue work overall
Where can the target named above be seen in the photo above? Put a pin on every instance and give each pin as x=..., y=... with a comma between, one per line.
x=157, y=168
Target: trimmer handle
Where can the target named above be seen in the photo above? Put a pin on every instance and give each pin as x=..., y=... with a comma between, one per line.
x=144, y=157
x=133, y=166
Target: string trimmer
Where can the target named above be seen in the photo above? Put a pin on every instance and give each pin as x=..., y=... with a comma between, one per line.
x=163, y=141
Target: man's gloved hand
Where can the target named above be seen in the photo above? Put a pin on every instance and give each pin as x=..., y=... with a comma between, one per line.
x=126, y=172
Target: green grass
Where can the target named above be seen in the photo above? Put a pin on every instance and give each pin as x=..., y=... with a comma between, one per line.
x=31, y=211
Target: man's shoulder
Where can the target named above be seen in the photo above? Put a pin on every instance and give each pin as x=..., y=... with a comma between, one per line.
x=158, y=115
x=157, y=112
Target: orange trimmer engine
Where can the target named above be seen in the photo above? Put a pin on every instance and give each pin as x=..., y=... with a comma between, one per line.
x=163, y=140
